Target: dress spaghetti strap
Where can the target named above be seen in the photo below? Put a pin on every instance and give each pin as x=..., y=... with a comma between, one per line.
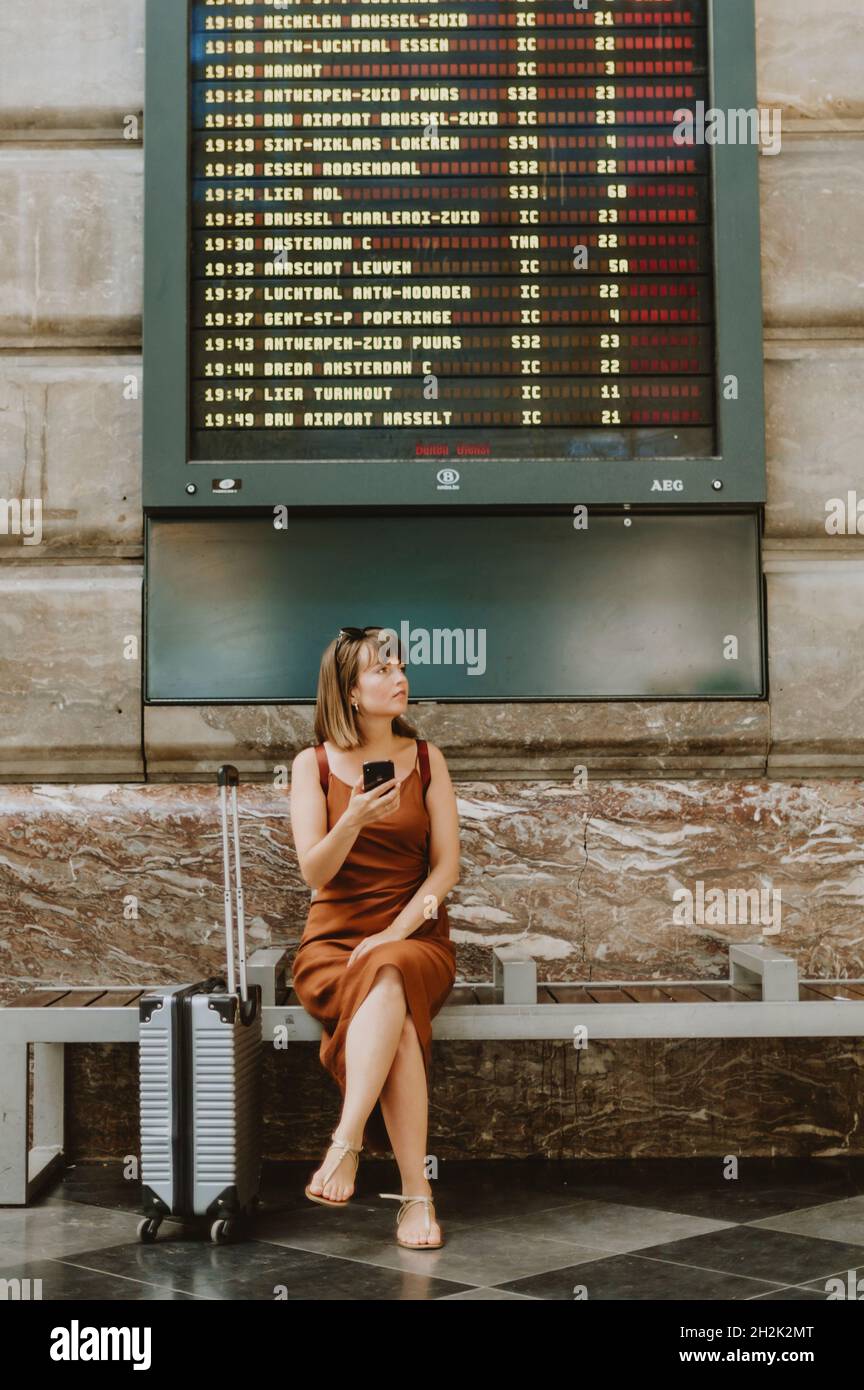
x=423, y=756
x=323, y=766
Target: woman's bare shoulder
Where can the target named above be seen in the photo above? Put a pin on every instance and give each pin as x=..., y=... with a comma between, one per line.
x=436, y=757
x=304, y=761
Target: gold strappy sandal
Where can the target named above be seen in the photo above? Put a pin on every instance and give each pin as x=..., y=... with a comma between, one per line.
x=335, y=1144
x=406, y=1203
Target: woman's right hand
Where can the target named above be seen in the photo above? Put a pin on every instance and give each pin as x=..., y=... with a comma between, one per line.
x=366, y=807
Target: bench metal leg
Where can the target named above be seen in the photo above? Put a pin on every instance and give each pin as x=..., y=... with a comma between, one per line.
x=13, y=1124
x=46, y=1156
x=22, y=1175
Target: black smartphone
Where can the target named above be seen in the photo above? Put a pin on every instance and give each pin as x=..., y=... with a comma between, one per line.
x=376, y=773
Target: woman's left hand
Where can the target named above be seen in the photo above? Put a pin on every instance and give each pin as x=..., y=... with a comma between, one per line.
x=369, y=943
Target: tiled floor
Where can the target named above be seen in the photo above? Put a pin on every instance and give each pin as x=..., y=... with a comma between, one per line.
x=652, y=1230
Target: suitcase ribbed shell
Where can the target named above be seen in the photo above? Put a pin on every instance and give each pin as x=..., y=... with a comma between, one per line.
x=226, y=1104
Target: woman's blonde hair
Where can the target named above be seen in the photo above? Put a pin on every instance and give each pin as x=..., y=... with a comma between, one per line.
x=340, y=667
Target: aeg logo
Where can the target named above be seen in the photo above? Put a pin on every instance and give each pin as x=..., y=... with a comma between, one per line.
x=667, y=485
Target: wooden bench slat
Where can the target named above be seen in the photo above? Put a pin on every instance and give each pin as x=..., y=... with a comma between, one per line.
x=78, y=998
x=37, y=999
x=808, y=992
x=651, y=994
x=830, y=990
x=845, y=991
x=709, y=993
x=570, y=994
x=731, y=994
x=690, y=994
x=117, y=999
x=553, y=993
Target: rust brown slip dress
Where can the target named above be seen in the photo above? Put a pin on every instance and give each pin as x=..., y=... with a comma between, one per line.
x=383, y=870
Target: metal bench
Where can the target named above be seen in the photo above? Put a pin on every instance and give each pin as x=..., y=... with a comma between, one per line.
x=763, y=998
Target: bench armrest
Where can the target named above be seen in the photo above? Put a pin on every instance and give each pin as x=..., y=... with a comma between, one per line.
x=514, y=974
x=270, y=968
x=750, y=961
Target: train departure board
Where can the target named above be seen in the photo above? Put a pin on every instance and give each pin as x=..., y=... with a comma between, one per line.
x=436, y=250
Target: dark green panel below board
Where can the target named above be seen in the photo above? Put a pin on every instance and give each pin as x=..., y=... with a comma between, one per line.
x=238, y=611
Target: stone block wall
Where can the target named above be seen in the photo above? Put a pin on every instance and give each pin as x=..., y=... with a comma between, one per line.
x=102, y=798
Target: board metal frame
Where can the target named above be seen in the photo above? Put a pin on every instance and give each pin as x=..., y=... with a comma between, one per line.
x=738, y=467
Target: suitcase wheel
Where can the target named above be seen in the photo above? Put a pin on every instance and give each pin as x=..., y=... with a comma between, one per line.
x=147, y=1229
x=221, y=1231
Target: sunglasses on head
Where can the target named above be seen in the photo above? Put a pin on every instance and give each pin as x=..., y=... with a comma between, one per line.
x=354, y=633
x=357, y=634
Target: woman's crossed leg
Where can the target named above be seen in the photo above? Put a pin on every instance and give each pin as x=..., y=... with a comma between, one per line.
x=383, y=1058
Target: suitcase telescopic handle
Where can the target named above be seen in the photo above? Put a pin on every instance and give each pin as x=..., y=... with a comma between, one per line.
x=228, y=776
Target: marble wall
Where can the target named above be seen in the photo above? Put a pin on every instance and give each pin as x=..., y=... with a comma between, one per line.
x=102, y=801
x=123, y=883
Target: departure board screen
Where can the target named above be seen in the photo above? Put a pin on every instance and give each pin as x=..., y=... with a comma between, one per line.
x=443, y=230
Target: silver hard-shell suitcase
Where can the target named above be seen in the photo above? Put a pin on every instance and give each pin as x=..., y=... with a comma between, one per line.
x=199, y=1081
